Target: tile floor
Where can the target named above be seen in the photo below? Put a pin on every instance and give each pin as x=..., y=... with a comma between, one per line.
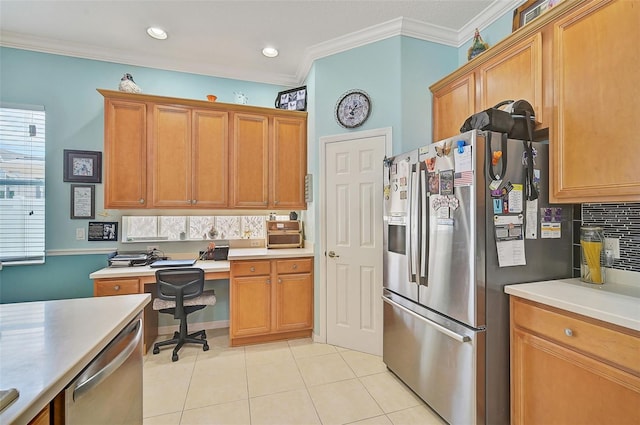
x=294, y=382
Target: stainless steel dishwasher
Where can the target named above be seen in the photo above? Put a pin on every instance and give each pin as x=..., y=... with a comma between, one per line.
x=109, y=389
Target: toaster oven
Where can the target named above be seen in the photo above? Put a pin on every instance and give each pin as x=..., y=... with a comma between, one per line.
x=284, y=234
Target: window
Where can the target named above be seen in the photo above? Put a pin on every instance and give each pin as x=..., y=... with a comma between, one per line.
x=22, y=139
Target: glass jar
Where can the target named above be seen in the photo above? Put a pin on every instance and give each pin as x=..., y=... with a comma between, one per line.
x=591, y=242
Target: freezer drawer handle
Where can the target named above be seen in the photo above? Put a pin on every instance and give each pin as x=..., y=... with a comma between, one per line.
x=86, y=385
x=447, y=332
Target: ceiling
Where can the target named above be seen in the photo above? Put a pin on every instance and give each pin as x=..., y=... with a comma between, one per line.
x=225, y=38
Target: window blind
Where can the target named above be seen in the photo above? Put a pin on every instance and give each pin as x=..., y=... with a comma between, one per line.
x=22, y=188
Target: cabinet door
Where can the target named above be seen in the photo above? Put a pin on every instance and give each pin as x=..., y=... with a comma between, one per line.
x=452, y=105
x=288, y=163
x=170, y=148
x=514, y=74
x=294, y=302
x=555, y=385
x=210, y=159
x=250, y=306
x=125, y=154
x=595, y=153
x=250, y=160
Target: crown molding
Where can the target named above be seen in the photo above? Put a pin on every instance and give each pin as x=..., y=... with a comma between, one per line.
x=64, y=48
x=395, y=27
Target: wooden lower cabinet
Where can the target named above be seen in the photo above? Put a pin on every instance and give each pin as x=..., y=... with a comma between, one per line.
x=271, y=300
x=133, y=285
x=569, y=369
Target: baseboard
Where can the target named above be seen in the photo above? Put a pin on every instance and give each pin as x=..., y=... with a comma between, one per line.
x=194, y=327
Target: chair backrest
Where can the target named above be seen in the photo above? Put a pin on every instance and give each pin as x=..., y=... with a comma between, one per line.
x=179, y=285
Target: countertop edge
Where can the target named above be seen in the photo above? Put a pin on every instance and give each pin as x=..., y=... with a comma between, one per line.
x=567, y=294
x=27, y=409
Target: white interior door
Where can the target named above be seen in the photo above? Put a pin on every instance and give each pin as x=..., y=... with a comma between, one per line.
x=353, y=191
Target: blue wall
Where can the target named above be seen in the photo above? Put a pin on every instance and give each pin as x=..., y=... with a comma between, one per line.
x=66, y=87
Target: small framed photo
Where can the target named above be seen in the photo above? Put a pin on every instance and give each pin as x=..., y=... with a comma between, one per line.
x=530, y=10
x=82, y=166
x=292, y=100
x=83, y=201
x=103, y=231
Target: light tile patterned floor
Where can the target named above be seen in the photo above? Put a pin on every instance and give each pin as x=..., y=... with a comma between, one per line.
x=295, y=382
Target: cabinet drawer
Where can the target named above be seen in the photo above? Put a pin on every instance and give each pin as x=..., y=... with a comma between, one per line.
x=586, y=335
x=294, y=265
x=103, y=288
x=250, y=268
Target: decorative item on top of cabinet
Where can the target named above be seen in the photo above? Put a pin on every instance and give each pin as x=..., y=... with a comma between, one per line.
x=594, y=153
x=561, y=359
x=477, y=46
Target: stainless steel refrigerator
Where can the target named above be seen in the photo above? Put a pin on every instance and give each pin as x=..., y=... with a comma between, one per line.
x=464, y=217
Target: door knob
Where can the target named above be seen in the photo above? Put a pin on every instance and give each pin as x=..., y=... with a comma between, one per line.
x=333, y=254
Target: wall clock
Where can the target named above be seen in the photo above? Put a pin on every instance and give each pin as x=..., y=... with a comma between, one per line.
x=353, y=108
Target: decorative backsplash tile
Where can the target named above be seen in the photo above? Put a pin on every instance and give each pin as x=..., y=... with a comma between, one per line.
x=620, y=221
x=228, y=227
x=253, y=227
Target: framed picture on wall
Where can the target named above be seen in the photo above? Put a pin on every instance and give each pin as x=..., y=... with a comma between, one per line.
x=83, y=201
x=82, y=166
x=293, y=100
x=530, y=10
x=103, y=231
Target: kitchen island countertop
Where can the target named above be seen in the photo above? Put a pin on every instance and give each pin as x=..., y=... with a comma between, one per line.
x=613, y=303
x=45, y=344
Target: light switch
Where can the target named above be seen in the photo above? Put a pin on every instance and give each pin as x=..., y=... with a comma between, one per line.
x=80, y=233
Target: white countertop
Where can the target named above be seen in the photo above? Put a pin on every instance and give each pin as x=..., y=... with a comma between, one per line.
x=45, y=344
x=208, y=265
x=610, y=302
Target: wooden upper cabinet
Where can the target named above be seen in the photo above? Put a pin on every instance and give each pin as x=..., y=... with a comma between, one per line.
x=163, y=152
x=250, y=161
x=210, y=159
x=125, y=154
x=288, y=163
x=170, y=163
x=452, y=105
x=595, y=155
x=514, y=74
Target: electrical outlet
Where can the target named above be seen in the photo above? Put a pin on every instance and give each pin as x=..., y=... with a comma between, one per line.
x=151, y=248
x=80, y=233
x=255, y=243
x=613, y=245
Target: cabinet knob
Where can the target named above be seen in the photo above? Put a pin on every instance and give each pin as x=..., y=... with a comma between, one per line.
x=295, y=266
x=252, y=269
x=275, y=202
x=194, y=201
x=189, y=201
x=279, y=280
x=568, y=332
x=268, y=280
x=116, y=288
x=141, y=200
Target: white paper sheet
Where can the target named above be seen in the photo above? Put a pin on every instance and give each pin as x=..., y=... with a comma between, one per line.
x=511, y=253
x=515, y=199
x=550, y=230
x=531, y=220
x=462, y=160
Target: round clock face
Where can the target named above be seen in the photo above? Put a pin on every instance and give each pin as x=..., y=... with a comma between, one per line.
x=353, y=109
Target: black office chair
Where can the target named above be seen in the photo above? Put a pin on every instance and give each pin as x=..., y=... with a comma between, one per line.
x=181, y=292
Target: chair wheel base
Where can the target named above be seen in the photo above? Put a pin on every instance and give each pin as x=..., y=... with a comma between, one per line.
x=205, y=347
x=174, y=357
x=156, y=350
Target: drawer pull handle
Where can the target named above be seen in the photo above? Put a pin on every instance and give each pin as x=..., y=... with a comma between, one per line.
x=117, y=287
x=568, y=332
x=268, y=281
x=295, y=266
x=252, y=269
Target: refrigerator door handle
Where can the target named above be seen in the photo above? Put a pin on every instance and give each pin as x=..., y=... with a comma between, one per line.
x=444, y=330
x=412, y=240
x=424, y=223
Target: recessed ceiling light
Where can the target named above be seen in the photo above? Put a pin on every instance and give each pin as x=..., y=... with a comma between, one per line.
x=270, y=52
x=157, y=33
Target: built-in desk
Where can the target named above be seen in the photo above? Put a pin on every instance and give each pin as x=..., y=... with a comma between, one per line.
x=138, y=280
